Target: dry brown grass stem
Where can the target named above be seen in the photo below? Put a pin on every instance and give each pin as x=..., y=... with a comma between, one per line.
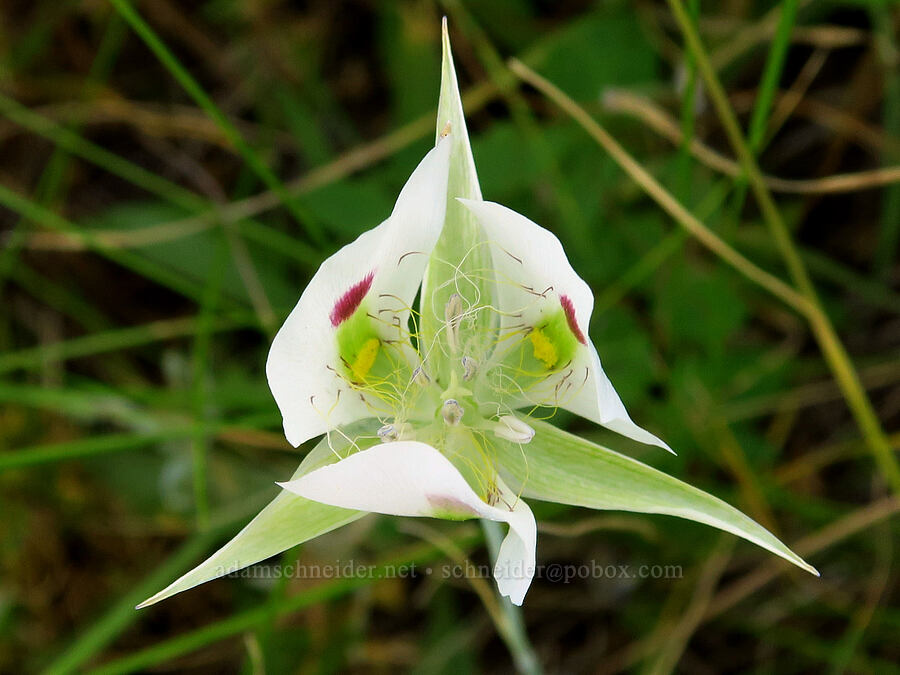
x=666, y=125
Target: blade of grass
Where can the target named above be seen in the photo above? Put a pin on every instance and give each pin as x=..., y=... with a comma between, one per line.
x=207, y=213
x=88, y=447
x=71, y=141
x=137, y=263
x=196, y=92
x=113, y=340
x=831, y=346
x=688, y=102
x=199, y=374
x=747, y=37
x=51, y=183
x=765, y=94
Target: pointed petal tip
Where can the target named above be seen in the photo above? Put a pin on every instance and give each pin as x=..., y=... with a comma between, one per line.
x=665, y=446
x=445, y=35
x=289, y=485
x=802, y=564
x=146, y=603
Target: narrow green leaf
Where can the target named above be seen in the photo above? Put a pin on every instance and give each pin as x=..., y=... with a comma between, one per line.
x=461, y=260
x=287, y=521
x=560, y=467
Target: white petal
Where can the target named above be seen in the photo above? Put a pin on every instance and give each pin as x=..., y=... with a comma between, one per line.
x=530, y=260
x=408, y=478
x=303, y=360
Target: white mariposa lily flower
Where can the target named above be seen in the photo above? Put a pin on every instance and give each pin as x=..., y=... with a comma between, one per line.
x=499, y=350
x=427, y=412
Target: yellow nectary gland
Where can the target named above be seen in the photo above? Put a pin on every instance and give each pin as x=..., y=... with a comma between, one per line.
x=553, y=344
x=365, y=359
x=543, y=348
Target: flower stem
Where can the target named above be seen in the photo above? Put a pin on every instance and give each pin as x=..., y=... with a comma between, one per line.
x=513, y=632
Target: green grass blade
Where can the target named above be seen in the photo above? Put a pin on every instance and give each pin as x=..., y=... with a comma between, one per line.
x=684, y=161
x=111, y=340
x=87, y=447
x=762, y=106
x=143, y=266
x=200, y=359
x=77, y=145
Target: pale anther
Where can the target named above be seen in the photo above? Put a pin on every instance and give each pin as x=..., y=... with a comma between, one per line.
x=513, y=429
x=420, y=377
x=402, y=431
x=452, y=312
x=388, y=433
x=469, y=367
x=452, y=412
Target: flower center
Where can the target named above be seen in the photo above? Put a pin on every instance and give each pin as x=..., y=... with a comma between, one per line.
x=525, y=358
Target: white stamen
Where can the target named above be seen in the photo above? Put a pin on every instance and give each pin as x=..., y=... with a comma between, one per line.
x=513, y=429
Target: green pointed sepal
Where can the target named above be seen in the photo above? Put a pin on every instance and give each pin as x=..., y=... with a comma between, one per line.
x=560, y=467
x=288, y=520
x=461, y=261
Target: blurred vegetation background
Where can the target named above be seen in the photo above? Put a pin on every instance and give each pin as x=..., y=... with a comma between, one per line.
x=172, y=173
